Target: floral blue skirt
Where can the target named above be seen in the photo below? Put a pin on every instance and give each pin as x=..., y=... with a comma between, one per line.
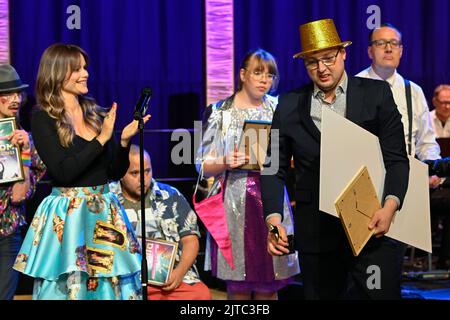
x=80, y=245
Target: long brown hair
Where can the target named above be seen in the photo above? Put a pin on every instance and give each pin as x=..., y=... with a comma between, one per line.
x=57, y=61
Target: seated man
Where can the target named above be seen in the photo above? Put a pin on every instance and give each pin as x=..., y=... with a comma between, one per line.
x=440, y=197
x=168, y=217
x=440, y=116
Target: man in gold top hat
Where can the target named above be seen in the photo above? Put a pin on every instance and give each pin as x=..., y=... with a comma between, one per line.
x=328, y=267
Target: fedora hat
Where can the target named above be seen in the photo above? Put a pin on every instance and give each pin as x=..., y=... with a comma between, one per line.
x=9, y=79
x=319, y=35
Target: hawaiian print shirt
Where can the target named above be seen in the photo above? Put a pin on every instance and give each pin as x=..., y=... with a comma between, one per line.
x=168, y=217
x=12, y=215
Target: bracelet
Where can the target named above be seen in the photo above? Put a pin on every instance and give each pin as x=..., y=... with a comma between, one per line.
x=26, y=158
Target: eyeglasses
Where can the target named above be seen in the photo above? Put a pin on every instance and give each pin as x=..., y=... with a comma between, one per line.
x=383, y=43
x=443, y=102
x=259, y=75
x=8, y=97
x=313, y=64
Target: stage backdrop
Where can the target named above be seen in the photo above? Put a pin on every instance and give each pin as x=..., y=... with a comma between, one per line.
x=273, y=25
x=160, y=43
x=131, y=44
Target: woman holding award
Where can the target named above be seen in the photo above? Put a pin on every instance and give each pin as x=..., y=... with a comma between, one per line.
x=63, y=249
x=14, y=194
x=256, y=274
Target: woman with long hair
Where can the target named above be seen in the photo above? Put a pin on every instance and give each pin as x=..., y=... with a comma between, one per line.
x=64, y=249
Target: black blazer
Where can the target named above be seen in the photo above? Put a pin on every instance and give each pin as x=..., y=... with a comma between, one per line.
x=371, y=106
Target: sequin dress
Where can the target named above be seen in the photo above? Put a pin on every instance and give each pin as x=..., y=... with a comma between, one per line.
x=254, y=268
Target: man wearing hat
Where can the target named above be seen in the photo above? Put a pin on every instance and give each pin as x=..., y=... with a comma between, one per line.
x=14, y=194
x=329, y=269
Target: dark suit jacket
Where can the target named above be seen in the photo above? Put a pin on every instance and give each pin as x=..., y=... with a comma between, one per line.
x=370, y=105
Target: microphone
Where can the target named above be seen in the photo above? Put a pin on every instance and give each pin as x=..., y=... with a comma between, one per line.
x=142, y=104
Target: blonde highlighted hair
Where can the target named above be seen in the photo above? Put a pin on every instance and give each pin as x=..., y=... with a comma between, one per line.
x=57, y=64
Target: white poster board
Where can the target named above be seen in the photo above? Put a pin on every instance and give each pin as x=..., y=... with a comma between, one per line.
x=345, y=148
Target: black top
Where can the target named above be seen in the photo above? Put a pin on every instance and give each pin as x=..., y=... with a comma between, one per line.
x=84, y=163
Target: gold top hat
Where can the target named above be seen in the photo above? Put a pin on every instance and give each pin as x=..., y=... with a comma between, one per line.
x=319, y=35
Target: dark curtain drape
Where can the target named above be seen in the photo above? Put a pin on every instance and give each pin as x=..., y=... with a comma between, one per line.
x=273, y=25
x=131, y=44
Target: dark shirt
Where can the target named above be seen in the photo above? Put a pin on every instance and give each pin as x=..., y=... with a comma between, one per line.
x=83, y=163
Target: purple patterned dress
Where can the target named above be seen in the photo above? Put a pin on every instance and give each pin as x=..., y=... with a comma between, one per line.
x=255, y=269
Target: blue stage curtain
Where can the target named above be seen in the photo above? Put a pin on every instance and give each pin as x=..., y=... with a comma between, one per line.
x=273, y=25
x=131, y=44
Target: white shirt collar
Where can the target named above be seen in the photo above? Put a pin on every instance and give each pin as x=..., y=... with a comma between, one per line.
x=392, y=80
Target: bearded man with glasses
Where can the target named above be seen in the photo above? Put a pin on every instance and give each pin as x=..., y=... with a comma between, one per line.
x=329, y=269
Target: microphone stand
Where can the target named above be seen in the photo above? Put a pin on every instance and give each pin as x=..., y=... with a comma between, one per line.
x=139, y=113
x=144, y=271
